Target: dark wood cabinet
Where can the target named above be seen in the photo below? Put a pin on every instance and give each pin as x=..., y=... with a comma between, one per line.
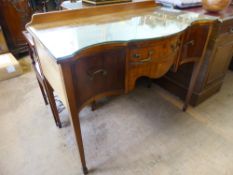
x=221, y=57
x=216, y=60
x=13, y=17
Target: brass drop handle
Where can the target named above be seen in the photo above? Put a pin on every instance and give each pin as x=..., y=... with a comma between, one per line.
x=190, y=43
x=136, y=55
x=149, y=58
x=175, y=46
x=92, y=75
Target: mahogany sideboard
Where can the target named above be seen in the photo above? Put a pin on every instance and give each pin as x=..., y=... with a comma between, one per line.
x=90, y=53
x=216, y=61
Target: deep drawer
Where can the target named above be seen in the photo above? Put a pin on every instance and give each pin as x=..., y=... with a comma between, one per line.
x=156, y=51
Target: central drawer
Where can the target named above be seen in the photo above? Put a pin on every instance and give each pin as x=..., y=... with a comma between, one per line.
x=152, y=58
x=155, y=52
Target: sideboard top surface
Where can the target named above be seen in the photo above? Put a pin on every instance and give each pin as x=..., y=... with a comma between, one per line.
x=70, y=33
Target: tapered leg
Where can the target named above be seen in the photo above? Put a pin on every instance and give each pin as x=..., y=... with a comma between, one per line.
x=31, y=53
x=207, y=25
x=52, y=103
x=43, y=92
x=78, y=135
x=85, y=170
x=74, y=113
x=191, y=85
x=149, y=83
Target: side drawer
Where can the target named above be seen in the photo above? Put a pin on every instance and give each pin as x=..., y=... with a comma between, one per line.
x=194, y=42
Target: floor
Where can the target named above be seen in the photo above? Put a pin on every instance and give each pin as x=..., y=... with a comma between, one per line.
x=142, y=133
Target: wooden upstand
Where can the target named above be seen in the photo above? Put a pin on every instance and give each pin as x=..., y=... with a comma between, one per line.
x=90, y=53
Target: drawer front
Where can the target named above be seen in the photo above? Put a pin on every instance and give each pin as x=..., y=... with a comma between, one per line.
x=98, y=74
x=151, y=59
x=153, y=52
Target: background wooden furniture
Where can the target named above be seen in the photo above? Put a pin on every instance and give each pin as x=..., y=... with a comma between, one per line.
x=94, y=66
x=3, y=45
x=217, y=58
x=9, y=67
x=45, y=5
x=13, y=17
x=46, y=89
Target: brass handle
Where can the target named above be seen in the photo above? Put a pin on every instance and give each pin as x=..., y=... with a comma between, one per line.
x=148, y=59
x=92, y=75
x=192, y=42
x=136, y=55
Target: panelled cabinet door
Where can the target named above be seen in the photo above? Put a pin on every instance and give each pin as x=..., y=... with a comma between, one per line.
x=99, y=74
x=222, y=54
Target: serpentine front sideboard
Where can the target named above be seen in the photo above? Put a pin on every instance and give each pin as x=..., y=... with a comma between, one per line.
x=90, y=53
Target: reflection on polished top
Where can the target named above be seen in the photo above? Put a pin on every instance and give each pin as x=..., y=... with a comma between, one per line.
x=64, y=39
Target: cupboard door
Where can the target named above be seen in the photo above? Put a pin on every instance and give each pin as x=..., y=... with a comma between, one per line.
x=221, y=58
x=99, y=74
